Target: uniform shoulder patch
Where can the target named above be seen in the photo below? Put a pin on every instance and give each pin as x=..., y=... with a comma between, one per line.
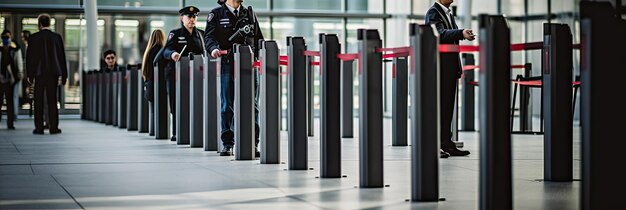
x=210, y=17
x=170, y=36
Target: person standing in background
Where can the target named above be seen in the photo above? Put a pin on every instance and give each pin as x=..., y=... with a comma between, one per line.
x=440, y=15
x=47, y=69
x=155, y=44
x=10, y=74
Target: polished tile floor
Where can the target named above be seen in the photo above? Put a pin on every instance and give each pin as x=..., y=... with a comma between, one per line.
x=93, y=166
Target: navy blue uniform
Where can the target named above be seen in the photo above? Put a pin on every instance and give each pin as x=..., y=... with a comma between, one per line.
x=176, y=41
x=221, y=25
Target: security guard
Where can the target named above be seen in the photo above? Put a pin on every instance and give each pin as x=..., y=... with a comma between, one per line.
x=228, y=24
x=188, y=37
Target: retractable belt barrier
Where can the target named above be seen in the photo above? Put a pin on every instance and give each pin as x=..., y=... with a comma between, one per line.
x=132, y=101
x=115, y=87
x=211, y=103
x=244, y=103
x=143, y=119
x=122, y=99
x=330, y=130
x=496, y=187
x=161, y=110
x=182, y=100
x=197, y=69
x=297, y=99
x=425, y=113
x=270, y=102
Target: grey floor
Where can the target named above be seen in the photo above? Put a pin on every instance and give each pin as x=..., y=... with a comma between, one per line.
x=93, y=166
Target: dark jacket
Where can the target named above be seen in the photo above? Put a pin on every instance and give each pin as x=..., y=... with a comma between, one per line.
x=176, y=41
x=222, y=24
x=45, y=56
x=148, y=68
x=449, y=33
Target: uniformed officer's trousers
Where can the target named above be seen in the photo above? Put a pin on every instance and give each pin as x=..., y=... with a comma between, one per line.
x=227, y=97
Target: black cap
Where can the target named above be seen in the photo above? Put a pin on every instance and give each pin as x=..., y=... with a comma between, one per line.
x=189, y=10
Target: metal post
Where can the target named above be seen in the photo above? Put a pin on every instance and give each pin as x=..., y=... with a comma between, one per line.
x=425, y=114
x=84, y=95
x=399, y=101
x=557, y=102
x=602, y=75
x=244, y=103
x=116, y=87
x=525, y=113
x=122, y=100
x=297, y=107
x=197, y=69
x=467, y=96
x=108, y=98
x=270, y=102
x=182, y=101
x=330, y=110
x=370, y=109
x=143, y=124
x=347, y=100
x=310, y=103
x=496, y=187
x=211, y=102
x=161, y=113
x=131, y=100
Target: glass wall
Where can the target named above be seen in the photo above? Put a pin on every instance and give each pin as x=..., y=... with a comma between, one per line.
x=128, y=28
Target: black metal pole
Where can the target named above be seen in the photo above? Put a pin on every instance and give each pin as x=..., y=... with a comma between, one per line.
x=496, y=187
x=347, y=98
x=330, y=130
x=557, y=102
x=244, y=103
x=270, y=102
x=425, y=113
x=161, y=113
x=196, y=98
x=399, y=102
x=370, y=109
x=297, y=107
x=182, y=101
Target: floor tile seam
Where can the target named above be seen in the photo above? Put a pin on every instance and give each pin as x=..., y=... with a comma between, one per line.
x=66, y=191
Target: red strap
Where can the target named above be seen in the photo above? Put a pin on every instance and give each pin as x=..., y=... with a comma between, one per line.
x=284, y=63
x=311, y=53
x=527, y=46
x=453, y=48
x=348, y=56
x=395, y=55
x=536, y=83
x=394, y=50
x=284, y=57
x=518, y=66
x=315, y=63
x=470, y=67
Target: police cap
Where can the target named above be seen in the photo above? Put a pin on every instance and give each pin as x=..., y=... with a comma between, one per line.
x=189, y=10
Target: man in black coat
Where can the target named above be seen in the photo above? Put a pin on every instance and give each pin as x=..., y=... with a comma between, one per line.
x=46, y=67
x=441, y=16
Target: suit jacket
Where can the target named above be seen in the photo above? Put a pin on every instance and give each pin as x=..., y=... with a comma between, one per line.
x=45, y=56
x=449, y=33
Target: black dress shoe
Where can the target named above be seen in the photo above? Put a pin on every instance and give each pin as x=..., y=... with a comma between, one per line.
x=453, y=151
x=257, y=153
x=443, y=154
x=55, y=131
x=11, y=127
x=226, y=151
x=173, y=138
x=38, y=132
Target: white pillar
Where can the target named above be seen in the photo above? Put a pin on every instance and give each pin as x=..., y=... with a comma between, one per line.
x=93, y=46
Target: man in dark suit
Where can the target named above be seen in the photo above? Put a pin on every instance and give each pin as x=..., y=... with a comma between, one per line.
x=46, y=66
x=441, y=16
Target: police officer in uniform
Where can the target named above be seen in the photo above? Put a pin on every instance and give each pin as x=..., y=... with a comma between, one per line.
x=231, y=23
x=188, y=37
